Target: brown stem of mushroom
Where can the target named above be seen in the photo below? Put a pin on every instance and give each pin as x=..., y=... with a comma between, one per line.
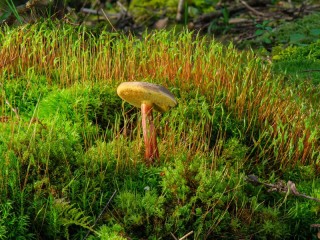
x=149, y=133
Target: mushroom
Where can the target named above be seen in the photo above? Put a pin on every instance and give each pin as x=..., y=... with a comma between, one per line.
x=148, y=96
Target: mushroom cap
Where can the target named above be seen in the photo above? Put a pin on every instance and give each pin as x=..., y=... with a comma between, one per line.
x=137, y=93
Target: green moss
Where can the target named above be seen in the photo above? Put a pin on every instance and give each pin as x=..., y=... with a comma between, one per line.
x=300, y=32
x=143, y=10
x=109, y=233
x=300, y=63
x=76, y=142
x=84, y=105
x=310, y=52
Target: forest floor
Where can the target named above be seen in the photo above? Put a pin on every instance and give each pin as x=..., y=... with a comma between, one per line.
x=243, y=22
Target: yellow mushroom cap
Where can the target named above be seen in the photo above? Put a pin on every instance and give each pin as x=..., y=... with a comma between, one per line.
x=137, y=93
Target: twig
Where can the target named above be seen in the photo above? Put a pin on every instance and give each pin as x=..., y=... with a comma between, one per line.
x=37, y=3
x=103, y=210
x=13, y=109
x=302, y=8
x=251, y=8
x=106, y=17
x=281, y=187
x=174, y=237
x=317, y=226
x=123, y=8
x=294, y=191
x=311, y=70
x=185, y=236
x=27, y=7
x=21, y=9
x=180, y=10
x=216, y=14
x=91, y=11
x=99, y=12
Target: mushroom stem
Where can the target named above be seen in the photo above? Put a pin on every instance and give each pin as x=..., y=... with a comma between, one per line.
x=149, y=133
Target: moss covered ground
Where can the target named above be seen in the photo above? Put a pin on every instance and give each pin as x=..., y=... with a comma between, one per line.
x=71, y=152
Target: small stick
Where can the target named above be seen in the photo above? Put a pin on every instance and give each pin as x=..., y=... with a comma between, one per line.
x=91, y=11
x=13, y=109
x=180, y=10
x=185, y=236
x=251, y=8
x=106, y=17
x=312, y=70
x=99, y=12
x=290, y=187
x=173, y=236
x=123, y=8
x=105, y=207
x=294, y=191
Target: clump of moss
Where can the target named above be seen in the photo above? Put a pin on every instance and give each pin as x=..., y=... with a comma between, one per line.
x=308, y=52
x=300, y=63
x=59, y=169
x=141, y=9
x=300, y=32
